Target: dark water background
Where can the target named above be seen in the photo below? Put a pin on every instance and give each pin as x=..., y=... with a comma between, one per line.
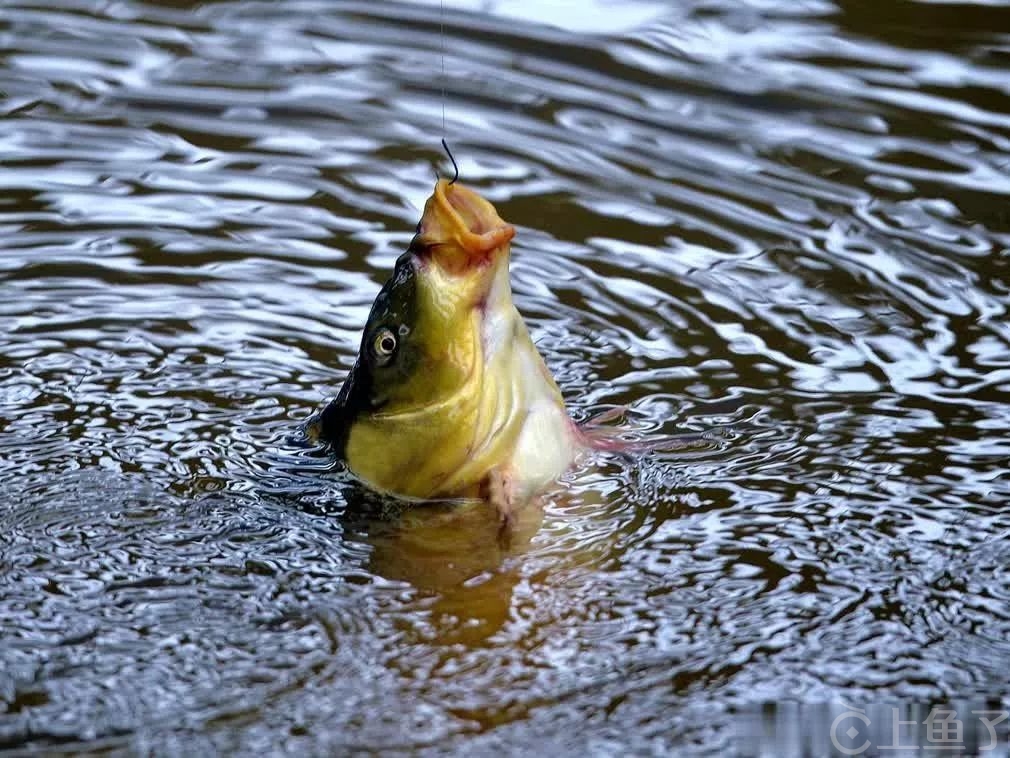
x=784, y=224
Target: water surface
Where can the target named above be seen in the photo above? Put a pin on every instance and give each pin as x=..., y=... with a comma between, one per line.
x=783, y=225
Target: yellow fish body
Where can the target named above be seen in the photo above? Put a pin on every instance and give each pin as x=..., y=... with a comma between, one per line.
x=449, y=397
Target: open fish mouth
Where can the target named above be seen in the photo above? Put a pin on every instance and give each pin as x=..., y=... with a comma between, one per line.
x=460, y=231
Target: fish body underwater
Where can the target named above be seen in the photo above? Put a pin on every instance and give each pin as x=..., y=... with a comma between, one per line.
x=449, y=397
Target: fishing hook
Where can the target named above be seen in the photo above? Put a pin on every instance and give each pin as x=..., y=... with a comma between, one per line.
x=454, y=166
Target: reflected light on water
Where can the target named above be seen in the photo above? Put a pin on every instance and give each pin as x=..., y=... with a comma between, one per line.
x=778, y=225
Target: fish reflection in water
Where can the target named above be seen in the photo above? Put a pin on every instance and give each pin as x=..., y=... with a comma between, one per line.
x=455, y=554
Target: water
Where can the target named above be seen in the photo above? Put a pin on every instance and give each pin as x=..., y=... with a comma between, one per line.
x=780, y=224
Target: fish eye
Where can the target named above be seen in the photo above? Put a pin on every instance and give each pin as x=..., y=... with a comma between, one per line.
x=384, y=345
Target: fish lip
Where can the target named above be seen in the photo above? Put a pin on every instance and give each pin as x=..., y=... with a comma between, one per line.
x=460, y=230
x=460, y=200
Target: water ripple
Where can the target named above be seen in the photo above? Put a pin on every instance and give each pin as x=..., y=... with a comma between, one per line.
x=780, y=226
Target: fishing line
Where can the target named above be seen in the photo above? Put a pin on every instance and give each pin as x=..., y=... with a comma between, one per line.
x=441, y=21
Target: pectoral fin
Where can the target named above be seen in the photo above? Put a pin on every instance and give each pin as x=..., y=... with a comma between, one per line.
x=499, y=492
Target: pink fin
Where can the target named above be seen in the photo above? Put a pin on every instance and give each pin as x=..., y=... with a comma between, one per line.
x=596, y=435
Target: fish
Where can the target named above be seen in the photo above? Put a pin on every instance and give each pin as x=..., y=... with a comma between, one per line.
x=449, y=398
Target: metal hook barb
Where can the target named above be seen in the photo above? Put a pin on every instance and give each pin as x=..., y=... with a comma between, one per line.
x=454, y=166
